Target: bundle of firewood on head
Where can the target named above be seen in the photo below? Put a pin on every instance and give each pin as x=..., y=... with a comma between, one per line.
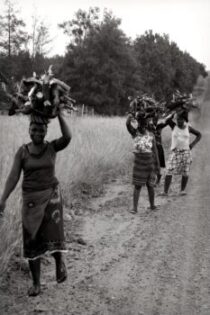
x=180, y=104
x=44, y=96
x=145, y=107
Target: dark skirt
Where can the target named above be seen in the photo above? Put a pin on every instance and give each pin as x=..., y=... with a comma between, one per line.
x=161, y=155
x=42, y=223
x=144, y=169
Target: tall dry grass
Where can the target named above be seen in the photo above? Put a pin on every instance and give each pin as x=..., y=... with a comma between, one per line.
x=100, y=148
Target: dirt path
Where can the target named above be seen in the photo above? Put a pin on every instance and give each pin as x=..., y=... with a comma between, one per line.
x=149, y=264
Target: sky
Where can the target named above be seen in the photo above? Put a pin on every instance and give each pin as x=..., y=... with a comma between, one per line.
x=187, y=22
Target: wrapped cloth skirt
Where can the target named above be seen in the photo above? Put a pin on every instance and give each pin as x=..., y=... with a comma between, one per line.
x=42, y=221
x=179, y=162
x=144, y=169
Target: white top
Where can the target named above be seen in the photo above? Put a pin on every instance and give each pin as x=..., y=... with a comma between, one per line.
x=180, y=138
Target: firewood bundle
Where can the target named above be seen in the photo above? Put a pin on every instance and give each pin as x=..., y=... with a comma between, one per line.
x=180, y=103
x=44, y=96
x=145, y=107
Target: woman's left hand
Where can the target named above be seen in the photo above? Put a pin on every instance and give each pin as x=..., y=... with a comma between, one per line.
x=2, y=207
x=157, y=169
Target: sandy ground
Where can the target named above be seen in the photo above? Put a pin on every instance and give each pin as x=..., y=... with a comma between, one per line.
x=152, y=263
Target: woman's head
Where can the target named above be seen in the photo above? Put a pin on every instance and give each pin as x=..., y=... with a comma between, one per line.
x=38, y=129
x=152, y=123
x=142, y=123
x=181, y=118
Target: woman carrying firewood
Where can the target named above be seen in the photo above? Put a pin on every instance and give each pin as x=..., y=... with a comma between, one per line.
x=42, y=213
x=180, y=158
x=146, y=162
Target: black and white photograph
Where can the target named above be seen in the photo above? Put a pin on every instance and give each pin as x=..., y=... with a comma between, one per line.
x=104, y=157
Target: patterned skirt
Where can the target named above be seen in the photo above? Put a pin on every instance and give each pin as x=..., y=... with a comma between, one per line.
x=42, y=217
x=179, y=162
x=143, y=169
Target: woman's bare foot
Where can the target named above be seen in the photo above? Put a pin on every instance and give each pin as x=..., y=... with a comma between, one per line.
x=133, y=211
x=154, y=208
x=163, y=194
x=183, y=193
x=34, y=290
x=61, y=273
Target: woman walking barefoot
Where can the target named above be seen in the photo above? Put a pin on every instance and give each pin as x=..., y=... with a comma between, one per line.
x=146, y=162
x=42, y=213
x=180, y=158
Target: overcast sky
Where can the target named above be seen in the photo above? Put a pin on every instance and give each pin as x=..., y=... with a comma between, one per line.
x=187, y=22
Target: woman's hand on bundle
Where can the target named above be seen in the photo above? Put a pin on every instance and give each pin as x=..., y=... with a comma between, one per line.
x=60, y=111
x=130, y=117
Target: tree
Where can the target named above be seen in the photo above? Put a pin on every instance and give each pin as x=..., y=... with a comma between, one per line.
x=78, y=28
x=153, y=56
x=164, y=66
x=12, y=34
x=40, y=37
x=101, y=68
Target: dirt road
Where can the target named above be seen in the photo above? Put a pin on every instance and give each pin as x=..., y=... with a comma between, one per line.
x=146, y=264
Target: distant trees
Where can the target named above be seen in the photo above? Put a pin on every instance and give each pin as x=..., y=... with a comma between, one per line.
x=39, y=37
x=21, y=51
x=78, y=28
x=101, y=68
x=164, y=66
x=154, y=58
x=12, y=34
x=102, y=65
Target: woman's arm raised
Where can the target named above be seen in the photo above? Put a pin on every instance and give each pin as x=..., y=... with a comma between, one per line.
x=130, y=128
x=64, y=140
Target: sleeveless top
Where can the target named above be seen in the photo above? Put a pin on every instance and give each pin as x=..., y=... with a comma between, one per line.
x=180, y=138
x=38, y=169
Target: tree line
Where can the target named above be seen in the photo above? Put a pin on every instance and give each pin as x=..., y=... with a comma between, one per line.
x=101, y=64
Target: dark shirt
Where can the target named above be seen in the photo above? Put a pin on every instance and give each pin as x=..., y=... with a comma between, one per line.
x=39, y=169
